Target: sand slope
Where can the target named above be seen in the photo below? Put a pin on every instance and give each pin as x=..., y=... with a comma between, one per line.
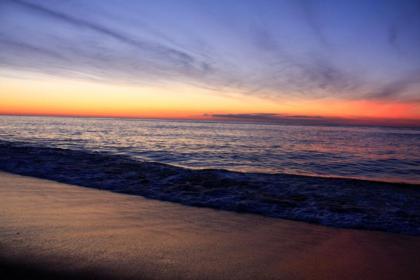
x=78, y=231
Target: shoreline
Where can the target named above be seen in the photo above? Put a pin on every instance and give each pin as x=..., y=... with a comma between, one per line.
x=341, y=203
x=356, y=179
x=73, y=232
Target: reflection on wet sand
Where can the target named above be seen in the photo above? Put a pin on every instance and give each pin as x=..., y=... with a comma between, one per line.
x=74, y=231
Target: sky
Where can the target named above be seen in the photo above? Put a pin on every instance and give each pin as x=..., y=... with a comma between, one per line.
x=231, y=59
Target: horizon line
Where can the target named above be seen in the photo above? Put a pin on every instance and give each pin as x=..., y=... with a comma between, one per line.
x=287, y=120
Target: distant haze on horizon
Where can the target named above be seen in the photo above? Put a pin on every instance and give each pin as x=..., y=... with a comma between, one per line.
x=350, y=62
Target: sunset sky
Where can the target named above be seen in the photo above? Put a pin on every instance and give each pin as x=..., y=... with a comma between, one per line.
x=244, y=60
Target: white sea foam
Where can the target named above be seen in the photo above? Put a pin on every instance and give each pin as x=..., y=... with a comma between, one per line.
x=329, y=201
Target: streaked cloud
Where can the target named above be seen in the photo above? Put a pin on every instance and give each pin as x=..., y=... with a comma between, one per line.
x=270, y=49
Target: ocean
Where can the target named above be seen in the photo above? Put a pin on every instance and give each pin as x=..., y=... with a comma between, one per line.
x=375, y=153
x=356, y=177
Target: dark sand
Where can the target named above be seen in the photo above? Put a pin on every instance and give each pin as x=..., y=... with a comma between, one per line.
x=55, y=230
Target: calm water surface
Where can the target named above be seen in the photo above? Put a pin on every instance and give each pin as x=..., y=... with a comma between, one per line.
x=385, y=154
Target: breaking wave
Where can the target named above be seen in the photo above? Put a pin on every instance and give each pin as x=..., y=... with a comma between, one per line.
x=338, y=202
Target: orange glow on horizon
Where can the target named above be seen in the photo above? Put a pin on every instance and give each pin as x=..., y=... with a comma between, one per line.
x=78, y=98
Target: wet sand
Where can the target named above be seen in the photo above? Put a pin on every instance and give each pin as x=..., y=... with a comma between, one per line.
x=55, y=230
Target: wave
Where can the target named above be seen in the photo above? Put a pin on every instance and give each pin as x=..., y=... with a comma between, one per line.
x=337, y=202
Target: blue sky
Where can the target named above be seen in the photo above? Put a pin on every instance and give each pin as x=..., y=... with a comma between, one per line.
x=302, y=49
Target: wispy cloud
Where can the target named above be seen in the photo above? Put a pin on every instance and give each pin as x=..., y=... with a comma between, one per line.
x=406, y=85
x=310, y=16
x=174, y=55
x=303, y=53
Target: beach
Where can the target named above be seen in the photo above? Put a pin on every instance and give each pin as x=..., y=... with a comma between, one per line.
x=64, y=231
x=237, y=140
